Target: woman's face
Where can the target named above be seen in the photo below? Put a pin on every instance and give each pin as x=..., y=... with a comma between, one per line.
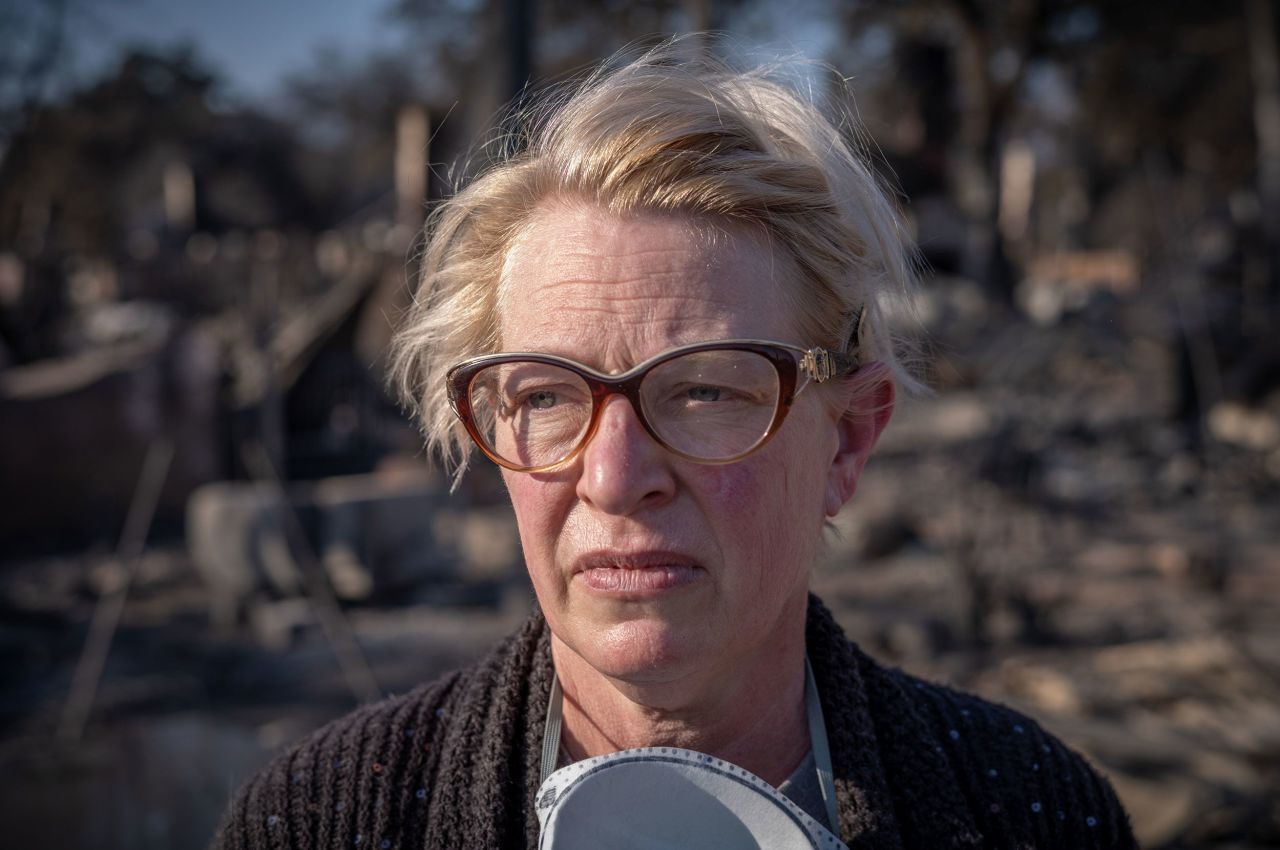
x=648, y=566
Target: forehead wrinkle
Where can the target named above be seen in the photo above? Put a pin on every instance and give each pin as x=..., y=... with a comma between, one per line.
x=644, y=336
x=607, y=272
x=645, y=304
x=601, y=293
x=584, y=226
x=586, y=277
x=610, y=292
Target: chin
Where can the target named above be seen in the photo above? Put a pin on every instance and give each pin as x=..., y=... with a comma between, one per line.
x=644, y=650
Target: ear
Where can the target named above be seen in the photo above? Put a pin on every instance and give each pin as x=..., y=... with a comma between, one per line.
x=865, y=406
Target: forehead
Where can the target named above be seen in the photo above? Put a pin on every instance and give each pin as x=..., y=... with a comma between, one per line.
x=613, y=290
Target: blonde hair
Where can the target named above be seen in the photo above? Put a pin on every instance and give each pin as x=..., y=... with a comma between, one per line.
x=666, y=133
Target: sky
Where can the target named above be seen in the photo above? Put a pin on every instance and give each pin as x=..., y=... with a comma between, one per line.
x=252, y=44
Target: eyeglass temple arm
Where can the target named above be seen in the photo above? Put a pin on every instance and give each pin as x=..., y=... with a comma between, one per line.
x=820, y=365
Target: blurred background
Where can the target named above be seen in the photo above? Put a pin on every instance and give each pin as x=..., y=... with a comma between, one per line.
x=219, y=532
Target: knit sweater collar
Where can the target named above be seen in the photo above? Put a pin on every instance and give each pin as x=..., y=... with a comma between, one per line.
x=880, y=741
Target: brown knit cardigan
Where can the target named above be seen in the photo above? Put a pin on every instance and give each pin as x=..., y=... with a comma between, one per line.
x=455, y=763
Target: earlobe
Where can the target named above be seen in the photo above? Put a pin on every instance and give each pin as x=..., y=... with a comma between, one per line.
x=866, y=411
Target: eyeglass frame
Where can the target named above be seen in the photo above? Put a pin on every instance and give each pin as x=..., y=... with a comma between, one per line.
x=814, y=365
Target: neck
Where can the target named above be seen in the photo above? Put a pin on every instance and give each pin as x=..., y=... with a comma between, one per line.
x=751, y=714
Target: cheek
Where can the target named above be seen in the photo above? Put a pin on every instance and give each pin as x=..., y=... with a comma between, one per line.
x=732, y=490
x=757, y=519
x=780, y=485
x=538, y=512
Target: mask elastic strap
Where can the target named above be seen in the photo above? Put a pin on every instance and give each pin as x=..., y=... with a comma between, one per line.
x=821, y=749
x=551, y=731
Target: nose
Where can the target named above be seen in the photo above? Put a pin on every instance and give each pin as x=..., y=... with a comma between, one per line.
x=623, y=469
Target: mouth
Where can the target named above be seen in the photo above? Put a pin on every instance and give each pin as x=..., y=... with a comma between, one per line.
x=636, y=574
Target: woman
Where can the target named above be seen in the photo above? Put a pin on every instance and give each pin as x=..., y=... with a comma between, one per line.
x=666, y=320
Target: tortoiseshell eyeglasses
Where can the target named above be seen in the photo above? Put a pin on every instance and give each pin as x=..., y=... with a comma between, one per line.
x=710, y=402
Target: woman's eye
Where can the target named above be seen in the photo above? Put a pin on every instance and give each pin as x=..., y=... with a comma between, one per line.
x=704, y=393
x=541, y=400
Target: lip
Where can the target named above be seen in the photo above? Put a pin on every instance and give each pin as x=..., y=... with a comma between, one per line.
x=636, y=575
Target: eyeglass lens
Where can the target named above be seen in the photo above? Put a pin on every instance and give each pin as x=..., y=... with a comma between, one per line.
x=711, y=405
